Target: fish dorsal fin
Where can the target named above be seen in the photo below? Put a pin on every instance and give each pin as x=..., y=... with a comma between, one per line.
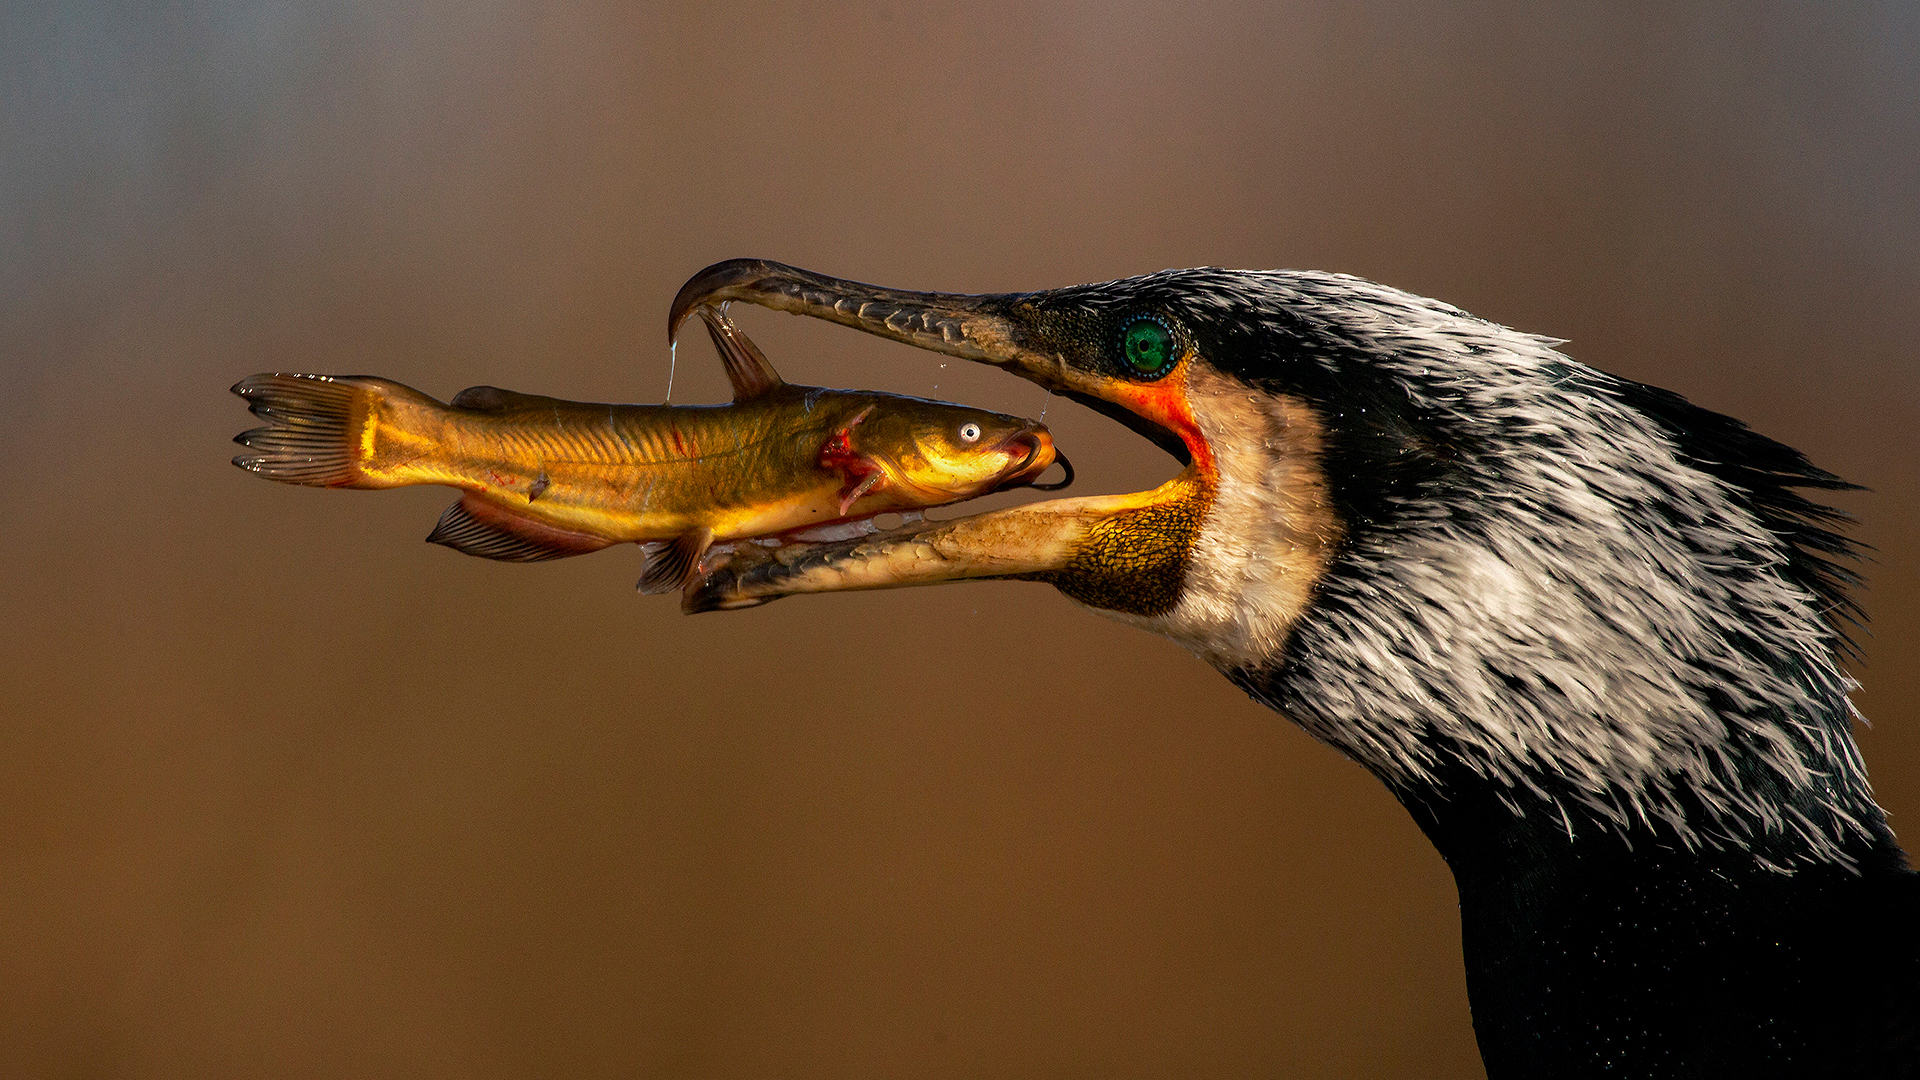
x=669, y=567
x=462, y=531
x=494, y=399
x=747, y=367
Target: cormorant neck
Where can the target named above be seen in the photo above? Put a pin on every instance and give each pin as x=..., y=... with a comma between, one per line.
x=1635, y=953
x=1492, y=834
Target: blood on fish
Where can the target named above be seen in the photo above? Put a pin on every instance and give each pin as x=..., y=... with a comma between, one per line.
x=838, y=453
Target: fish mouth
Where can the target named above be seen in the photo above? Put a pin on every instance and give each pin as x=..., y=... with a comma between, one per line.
x=1040, y=540
x=1041, y=455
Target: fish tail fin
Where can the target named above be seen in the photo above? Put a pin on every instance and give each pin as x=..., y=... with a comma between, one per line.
x=316, y=427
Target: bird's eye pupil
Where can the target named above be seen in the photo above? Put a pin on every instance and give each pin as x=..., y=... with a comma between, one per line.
x=1148, y=347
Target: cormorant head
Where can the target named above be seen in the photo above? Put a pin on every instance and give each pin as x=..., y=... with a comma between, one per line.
x=1176, y=357
x=1439, y=544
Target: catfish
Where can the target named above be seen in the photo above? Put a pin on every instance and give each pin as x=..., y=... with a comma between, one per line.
x=542, y=478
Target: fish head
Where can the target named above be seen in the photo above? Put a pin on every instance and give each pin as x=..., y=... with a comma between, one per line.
x=936, y=453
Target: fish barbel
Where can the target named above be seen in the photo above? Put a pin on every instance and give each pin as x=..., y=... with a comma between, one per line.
x=543, y=478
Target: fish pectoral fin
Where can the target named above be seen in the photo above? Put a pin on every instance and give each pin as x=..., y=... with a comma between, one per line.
x=669, y=567
x=747, y=367
x=838, y=451
x=493, y=533
x=860, y=471
x=872, y=481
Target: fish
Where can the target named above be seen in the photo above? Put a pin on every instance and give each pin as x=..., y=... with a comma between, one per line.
x=543, y=478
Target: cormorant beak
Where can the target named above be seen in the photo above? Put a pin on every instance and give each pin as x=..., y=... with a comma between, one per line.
x=958, y=324
x=1041, y=541
x=992, y=328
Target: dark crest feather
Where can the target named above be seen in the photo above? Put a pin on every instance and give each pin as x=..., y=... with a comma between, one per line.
x=1766, y=474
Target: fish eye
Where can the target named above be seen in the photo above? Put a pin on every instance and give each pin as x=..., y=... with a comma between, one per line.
x=969, y=432
x=1147, y=345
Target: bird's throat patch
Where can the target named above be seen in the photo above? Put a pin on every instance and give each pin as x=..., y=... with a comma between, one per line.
x=1271, y=531
x=1135, y=562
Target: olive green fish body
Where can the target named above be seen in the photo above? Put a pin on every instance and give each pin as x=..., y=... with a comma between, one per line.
x=632, y=472
x=545, y=478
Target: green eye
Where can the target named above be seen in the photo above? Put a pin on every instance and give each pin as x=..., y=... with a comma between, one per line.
x=1148, y=347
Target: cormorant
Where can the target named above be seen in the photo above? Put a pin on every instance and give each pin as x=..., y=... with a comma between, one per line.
x=1588, y=633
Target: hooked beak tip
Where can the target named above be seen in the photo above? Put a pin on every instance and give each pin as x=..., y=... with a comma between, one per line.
x=715, y=284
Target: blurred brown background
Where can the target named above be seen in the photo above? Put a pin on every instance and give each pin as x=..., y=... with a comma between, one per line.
x=286, y=792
